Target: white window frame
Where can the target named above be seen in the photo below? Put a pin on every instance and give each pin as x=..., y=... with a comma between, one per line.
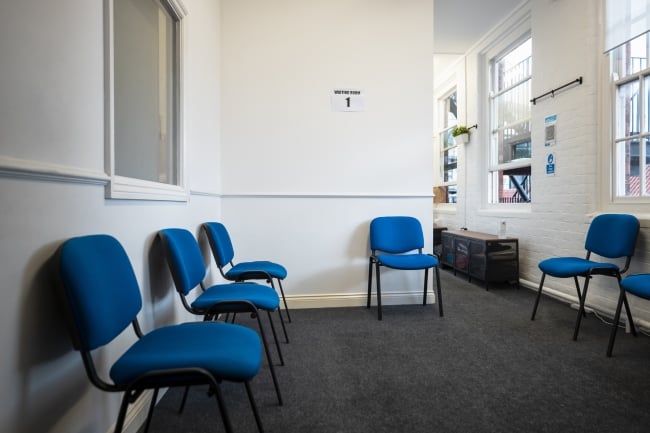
x=451, y=79
x=121, y=187
x=444, y=128
x=516, y=37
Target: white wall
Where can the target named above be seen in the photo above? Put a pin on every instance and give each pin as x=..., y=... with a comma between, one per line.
x=565, y=46
x=52, y=186
x=299, y=182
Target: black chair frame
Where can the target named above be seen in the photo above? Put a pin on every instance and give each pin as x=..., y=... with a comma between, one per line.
x=375, y=263
x=582, y=294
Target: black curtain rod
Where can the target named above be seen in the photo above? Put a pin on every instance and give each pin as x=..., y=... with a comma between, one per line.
x=552, y=92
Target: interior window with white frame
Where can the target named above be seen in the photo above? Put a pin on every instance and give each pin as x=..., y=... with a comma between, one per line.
x=144, y=101
x=509, y=177
x=631, y=121
x=447, y=191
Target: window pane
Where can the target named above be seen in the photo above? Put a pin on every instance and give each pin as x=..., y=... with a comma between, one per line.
x=627, y=110
x=630, y=58
x=450, y=165
x=628, y=180
x=447, y=139
x=513, y=67
x=446, y=193
x=513, y=105
x=644, y=175
x=510, y=186
x=451, y=194
x=145, y=100
x=646, y=112
x=451, y=110
x=510, y=113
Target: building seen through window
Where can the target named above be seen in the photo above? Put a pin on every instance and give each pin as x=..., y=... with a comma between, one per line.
x=631, y=143
x=447, y=192
x=509, y=179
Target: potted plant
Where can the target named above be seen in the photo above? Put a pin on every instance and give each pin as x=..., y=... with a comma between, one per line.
x=460, y=134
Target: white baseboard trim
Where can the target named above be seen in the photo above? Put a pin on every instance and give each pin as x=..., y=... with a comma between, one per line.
x=136, y=414
x=357, y=299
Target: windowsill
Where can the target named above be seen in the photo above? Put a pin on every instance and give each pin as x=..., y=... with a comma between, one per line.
x=135, y=189
x=522, y=210
x=445, y=208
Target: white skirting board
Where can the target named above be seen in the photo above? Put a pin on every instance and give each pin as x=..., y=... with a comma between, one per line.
x=136, y=414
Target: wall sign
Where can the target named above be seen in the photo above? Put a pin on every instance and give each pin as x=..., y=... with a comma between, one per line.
x=550, y=164
x=549, y=130
x=347, y=100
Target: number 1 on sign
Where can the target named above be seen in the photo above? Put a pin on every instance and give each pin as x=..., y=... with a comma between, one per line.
x=347, y=100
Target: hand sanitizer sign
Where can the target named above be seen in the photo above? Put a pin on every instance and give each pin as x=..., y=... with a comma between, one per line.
x=550, y=164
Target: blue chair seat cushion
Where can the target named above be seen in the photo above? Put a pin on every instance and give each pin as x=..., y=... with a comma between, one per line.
x=638, y=285
x=256, y=270
x=230, y=352
x=263, y=297
x=565, y=267
x=407, y=261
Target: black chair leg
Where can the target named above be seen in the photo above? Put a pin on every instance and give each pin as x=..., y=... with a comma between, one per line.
x=575, y=280
x=426, y=281
x=225, y=418
x=581, y=310
x=269, y=360
x=378, y=291
x=439, y=291
x=275, y=337
x=617, y=317
x=119, y=424
x=152, y=405
x=256, y=414
x=284, y=301
x=184, y=399
x=369, y=282
x=629, y=316
x=284, y=328
x=539, y=295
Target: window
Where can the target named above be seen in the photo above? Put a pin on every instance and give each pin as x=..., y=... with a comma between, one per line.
x=144, y=111
x=446, y=193
x=509, y=179
x=631, y=129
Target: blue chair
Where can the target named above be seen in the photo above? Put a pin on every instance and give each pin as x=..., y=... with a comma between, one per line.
x=396, y=242
x=100, y=293
x=224, y=253
x=188, y=271
x=637, y=285
x=611, y=236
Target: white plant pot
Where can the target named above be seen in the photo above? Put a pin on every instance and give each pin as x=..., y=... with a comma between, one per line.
x=461, y=139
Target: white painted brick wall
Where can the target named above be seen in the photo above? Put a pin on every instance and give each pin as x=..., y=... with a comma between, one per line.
x=565, y=46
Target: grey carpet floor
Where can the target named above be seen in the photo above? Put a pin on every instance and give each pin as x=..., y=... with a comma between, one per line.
x=483, y=367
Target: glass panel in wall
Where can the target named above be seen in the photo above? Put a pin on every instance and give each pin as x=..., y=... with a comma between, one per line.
x=146, y=105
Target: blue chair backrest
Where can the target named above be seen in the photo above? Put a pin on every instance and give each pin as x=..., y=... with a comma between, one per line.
x=100, y=288
x=219, y=242
x=184, y=258
x=396, y=234
x=612, y=235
